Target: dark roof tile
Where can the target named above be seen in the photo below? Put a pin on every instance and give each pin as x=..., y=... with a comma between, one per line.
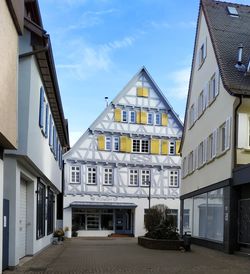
x=227, y=33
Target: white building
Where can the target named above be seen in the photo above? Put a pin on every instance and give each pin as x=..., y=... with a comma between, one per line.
x=33, y=173
x=134, y=142
x=215, y=190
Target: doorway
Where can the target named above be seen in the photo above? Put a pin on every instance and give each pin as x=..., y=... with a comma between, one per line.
x=244, y=222
x=123, y=222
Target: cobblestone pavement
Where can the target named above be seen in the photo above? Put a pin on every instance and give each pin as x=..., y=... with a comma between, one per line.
x=123, y=255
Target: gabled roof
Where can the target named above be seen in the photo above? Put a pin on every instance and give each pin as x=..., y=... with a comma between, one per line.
x=227, y=32
x=142, y=71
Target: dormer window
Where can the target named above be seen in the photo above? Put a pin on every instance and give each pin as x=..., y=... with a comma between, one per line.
x=233, y=11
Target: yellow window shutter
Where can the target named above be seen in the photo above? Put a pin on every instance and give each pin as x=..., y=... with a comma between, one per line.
x=101, y=142
x=128, y=145
x=138, y=117
x=164, y=147
x=177, y=147
x=155, y=146
x=142, y=92
x=117, y=115
x=139, y=91
x=144, y=117
x=164, y=119
x=123, y=143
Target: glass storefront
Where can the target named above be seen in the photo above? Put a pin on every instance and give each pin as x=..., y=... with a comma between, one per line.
x=203, y=215
x=92, y=219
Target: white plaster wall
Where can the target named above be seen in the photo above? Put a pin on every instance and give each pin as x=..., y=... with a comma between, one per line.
x=31, y=140
x=14, y=171
x=142, y=204
x=212, y=118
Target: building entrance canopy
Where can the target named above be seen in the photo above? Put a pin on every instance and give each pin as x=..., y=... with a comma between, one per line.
x=109, y=205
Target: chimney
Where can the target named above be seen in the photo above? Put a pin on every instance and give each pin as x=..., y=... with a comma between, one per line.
x=107, y=101
x=240, y=66
x=240, y=51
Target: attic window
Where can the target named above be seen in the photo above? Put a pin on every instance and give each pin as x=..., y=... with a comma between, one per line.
x=233, y=11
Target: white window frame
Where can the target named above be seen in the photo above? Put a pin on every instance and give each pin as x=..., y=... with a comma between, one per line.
x=152, y=118
x=158, y=119
x=130, y=117
x=201, y=103
x=74, y=174
x=145, y=177
x=202, y=53
x=191, y=162
x=108, y=140
x=92, y=172
x=110, y=175
x=200, y=154
x=140, y=141
x=134, y=174
x=172, y=147
x=116, y=141
x=124, y=115
x=223, y=137
x=173, y=178
x=191, y=116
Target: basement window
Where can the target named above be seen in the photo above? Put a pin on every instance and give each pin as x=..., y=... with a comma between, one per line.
x=233, y=11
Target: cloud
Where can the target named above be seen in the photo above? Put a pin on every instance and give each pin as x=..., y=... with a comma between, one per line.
x=90, y=19
x=167, y=25
x=85, y=60
x=179, y=83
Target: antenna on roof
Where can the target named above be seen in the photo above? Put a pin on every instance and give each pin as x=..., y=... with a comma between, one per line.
x=240, y=66
x=107, y=101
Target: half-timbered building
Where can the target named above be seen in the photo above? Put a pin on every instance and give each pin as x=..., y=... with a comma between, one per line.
x=126, y=160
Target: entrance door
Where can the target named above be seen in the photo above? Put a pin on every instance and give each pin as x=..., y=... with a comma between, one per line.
x=123, y=221
x=22, y=220
x=244, y=222
x=5, y=234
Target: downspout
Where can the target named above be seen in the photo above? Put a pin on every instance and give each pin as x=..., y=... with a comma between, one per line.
x=236, y=130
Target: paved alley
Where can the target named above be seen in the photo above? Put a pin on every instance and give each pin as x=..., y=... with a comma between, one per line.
x=112, y=255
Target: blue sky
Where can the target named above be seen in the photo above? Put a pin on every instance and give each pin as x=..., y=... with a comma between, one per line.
x=99, y=45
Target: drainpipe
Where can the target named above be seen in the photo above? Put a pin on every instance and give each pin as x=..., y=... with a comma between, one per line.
x=236, y=130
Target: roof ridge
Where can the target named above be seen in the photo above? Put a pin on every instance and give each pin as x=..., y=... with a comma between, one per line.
x=224, y=2
x=232, y=3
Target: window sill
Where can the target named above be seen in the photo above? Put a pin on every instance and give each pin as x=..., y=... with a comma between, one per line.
x=246, y=149
x=71, y=183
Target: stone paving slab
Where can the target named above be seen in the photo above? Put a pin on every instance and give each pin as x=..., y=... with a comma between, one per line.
x=121, y=256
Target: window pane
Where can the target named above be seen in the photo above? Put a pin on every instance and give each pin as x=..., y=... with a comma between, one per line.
x=215, y=215
x=188, y=216
x=200, y=215
x=106, y=222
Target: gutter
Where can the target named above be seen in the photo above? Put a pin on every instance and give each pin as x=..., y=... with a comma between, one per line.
x=236, y=130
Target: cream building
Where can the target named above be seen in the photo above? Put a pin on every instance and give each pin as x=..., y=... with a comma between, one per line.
x=130, y=149
x=215, y=190
x=11, y=26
